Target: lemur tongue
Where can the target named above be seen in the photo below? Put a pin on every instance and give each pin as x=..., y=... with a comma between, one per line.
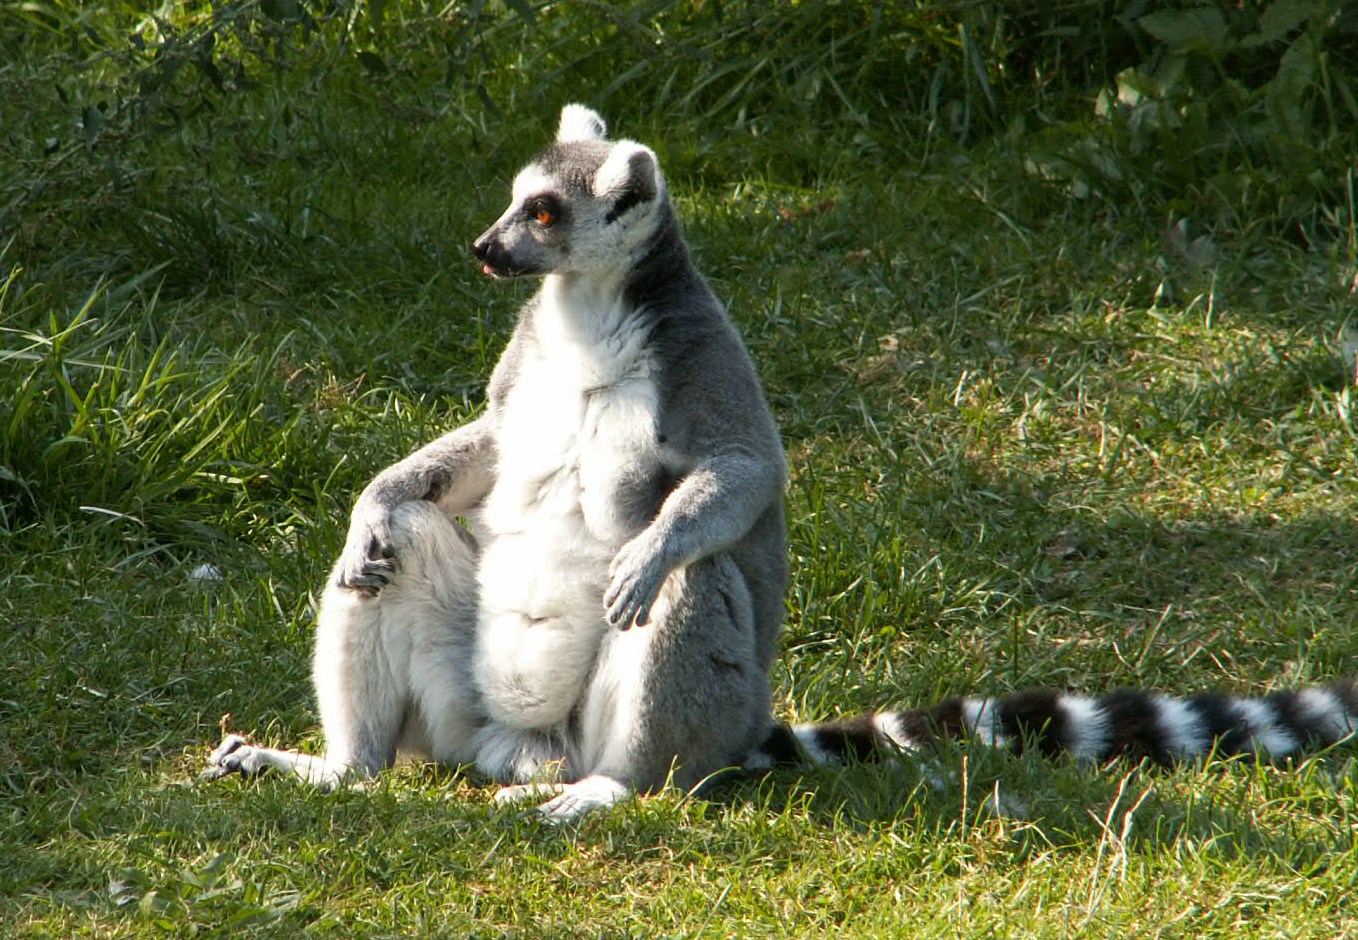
x=487, y=269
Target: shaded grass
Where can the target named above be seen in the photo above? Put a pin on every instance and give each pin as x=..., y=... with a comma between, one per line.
x=1032, y=442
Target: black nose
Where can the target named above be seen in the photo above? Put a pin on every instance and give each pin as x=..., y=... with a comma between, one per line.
x=481, y=248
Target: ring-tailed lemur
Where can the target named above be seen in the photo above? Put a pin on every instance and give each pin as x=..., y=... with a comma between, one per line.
x=609, y=622
x=612, y=617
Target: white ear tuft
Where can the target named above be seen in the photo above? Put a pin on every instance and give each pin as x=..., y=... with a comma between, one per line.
x=630, y=168
x=580, y=123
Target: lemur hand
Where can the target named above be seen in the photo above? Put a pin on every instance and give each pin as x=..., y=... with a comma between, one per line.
x=637, y=572
x=368, y=560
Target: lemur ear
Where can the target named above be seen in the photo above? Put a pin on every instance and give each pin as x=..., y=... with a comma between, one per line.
x=632, y=170
x=580, y=123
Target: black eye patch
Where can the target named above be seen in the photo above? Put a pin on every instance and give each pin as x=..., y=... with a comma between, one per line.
x=545, y=209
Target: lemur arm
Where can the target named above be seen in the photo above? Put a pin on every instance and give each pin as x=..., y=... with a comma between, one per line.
x=455, y=472
x=711, y=510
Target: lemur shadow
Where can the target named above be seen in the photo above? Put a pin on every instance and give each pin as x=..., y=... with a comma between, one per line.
x=1028, y=805
x=1123, y=596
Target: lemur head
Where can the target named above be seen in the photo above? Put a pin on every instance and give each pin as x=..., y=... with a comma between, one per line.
x=584, y=205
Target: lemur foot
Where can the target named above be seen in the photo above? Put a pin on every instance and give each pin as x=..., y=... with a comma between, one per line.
x=569, y=801
x=577, y=799
x=524, y=792
x=235, y=755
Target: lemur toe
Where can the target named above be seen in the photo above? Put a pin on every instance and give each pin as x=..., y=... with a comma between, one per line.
x=235, y=755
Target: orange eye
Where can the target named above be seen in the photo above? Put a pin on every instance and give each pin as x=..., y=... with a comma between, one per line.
x=544, y=215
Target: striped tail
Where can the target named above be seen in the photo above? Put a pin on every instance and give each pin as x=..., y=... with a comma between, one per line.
x=1124, y=723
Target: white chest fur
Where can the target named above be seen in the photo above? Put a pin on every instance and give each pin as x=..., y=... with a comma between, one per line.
x=578, y=423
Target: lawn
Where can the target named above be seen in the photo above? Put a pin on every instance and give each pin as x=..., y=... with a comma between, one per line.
x=1065, y=394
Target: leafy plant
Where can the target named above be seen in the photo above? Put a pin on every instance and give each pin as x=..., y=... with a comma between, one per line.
x=1231, y=112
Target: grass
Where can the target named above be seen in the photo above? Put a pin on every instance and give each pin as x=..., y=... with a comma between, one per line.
x=1035, y=439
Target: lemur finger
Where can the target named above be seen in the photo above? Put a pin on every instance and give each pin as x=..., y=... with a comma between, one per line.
x=356, y=584
x=620, y=614
x=639, y=610
x=382, y=567
x=643, y=615
x=213, y=773
x=633, y=610
x=618, y=597
x=368, y=576
x=363, y=581
x=369, y=582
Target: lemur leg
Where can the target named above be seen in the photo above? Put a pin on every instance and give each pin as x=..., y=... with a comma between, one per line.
x=391, y=670
x=676, y=699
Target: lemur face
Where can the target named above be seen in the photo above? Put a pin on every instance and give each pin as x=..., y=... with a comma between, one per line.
x=584, y=205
